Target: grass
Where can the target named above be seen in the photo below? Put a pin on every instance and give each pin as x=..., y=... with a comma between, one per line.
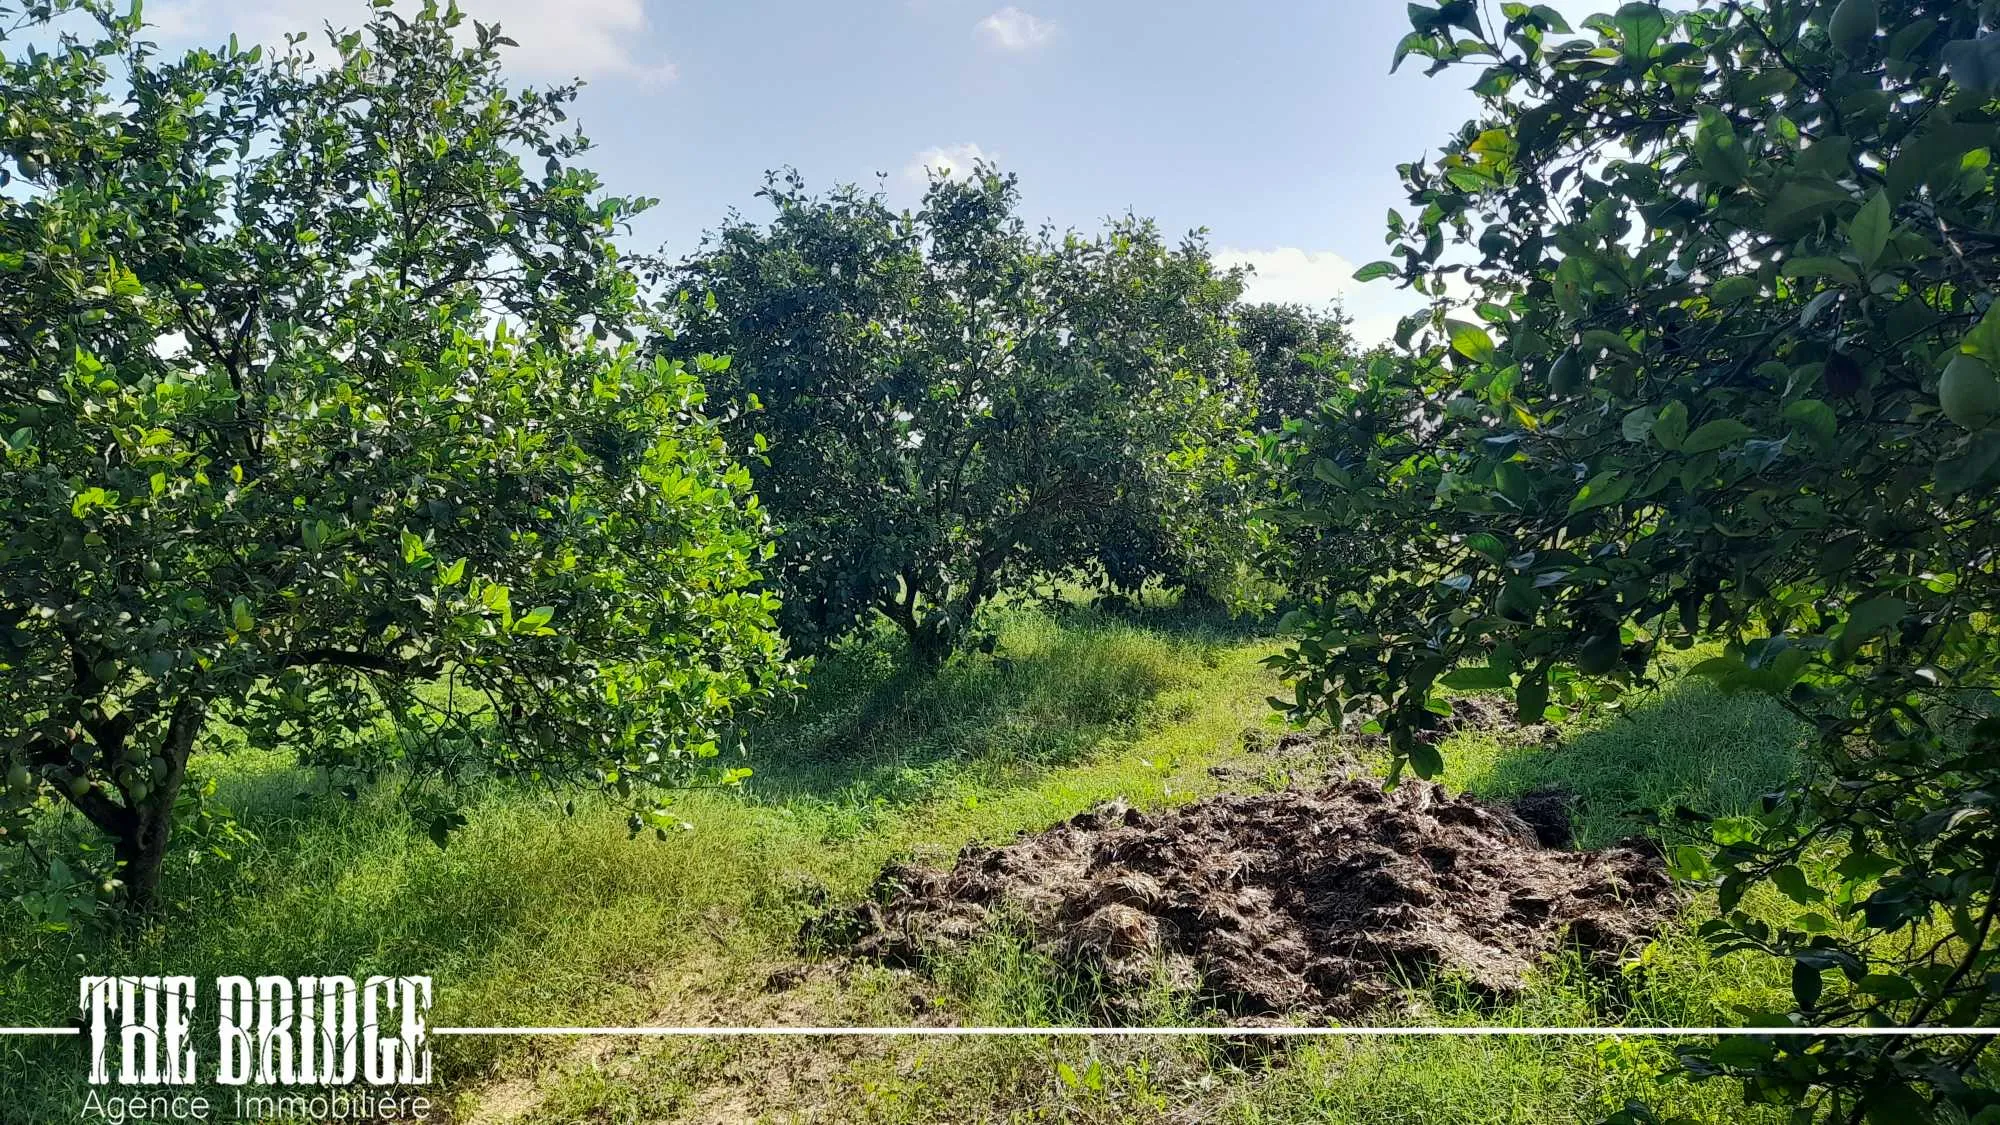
x=534, y=916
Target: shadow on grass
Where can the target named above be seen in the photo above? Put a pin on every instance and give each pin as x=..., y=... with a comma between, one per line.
x=1182, y=616
x=1683, y=744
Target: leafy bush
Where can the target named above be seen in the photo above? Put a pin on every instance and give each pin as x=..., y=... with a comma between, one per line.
x=302, y=414
x=1732, y=375
x=948, y=404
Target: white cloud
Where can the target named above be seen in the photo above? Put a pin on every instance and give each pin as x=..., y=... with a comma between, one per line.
x=1291, y=275
x=558, y=41
x=1012, y=29
x=946, y=160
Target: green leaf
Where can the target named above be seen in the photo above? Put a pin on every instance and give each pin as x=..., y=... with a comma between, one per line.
x=1604, y=339
x=1807, y=984
x=1867, y=618
x=1718, y=149
x=1802, y=202
x=1895, y=1104
x=1478, y=678
x=1638, y=424
x=1714, y=435
x=1405, y=45
x=1640, y=26
x=1832, y=268
x=1940, y=147
x=1887, y=986
x=1375, y=270
x=1790, y=880
x=1531, y=695
x=1671, y=427
x=1972, y=466
x=1734, y=289
x=1815, y=418
x=1691, y=864
x=1984, y=339
x=239, y=614
x=1861, y=866
x=1328, y=471
x=1470, y=341
x=442, y=824
x=1975, y=63
x=1488, y=544
x=1514, y=483
x=1729, y=830
x=1425, y=759
x=1607, y=487
x=1869, y=232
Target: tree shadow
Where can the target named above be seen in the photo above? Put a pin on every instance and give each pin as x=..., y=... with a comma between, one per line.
x=1175, y=613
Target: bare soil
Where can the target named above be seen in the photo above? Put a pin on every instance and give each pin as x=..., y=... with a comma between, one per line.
x=1293, y=903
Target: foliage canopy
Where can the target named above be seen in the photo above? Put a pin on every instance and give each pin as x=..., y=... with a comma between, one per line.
x=948, y=404
x=302, y=413
x=1730, y=376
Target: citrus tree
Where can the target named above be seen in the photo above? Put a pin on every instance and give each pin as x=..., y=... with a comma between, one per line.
x=1711, y=356
x=947, y=404
x=1296, y=354
x=314, y=413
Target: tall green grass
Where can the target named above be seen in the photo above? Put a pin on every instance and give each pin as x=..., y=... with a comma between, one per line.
x=535, y=915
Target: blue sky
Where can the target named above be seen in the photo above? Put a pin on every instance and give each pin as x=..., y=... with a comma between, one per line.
x=1277, y=126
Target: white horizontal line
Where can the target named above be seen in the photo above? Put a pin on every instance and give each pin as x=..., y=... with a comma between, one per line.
x=1208, y=1032
x=1216, y=1032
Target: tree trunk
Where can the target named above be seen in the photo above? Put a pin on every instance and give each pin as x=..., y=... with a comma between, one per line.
x=141, y=858
x=929, y=646
x=928, y=634
x=142, y=838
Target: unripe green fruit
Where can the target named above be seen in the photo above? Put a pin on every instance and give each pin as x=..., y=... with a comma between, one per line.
x=78, y=786
x=1599, y=655
x=1569, y=373
x=1566, y=377
x=1853, y=25
x=18, y=779
x=138, y=792
x=1969, y=392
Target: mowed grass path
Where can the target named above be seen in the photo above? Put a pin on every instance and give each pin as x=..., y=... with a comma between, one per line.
x=537, y=916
